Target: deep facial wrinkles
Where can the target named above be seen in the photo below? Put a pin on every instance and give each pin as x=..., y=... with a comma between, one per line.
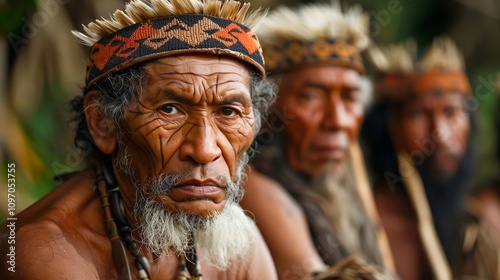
x=137, y=132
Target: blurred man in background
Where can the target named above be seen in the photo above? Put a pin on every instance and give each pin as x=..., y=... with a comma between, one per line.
x=420, y=140
x=306, y=189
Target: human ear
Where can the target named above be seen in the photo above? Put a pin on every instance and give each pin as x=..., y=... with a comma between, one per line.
x=102, y=130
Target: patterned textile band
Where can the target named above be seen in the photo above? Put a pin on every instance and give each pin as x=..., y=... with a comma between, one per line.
x=292, y=54
x=404, y=87
x=172, y=36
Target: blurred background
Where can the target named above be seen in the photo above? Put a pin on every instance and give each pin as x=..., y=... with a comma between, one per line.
x=42, y=68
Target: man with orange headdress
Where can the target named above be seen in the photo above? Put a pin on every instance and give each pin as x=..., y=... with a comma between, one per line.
x=424, y=176
x=172, y=102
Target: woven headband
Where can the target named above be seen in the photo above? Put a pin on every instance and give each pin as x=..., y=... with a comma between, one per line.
x=293, y=54
x=172, y=36
x=397, y=88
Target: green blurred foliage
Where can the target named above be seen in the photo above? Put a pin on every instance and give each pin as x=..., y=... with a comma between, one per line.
x=12, y=13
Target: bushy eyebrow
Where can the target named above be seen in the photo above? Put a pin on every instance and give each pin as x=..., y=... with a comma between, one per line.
x=174, y=97
x=313, y=84
x=234, y=98
x=237, y=99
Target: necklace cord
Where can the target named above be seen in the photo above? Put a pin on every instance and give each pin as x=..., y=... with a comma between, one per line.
x=120, y=232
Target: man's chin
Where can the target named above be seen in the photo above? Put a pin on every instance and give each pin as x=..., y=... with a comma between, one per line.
x=327, y=166
x=441, y=177
x=437, y=174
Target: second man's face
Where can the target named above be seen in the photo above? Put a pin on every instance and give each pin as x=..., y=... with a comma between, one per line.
x=325, y=104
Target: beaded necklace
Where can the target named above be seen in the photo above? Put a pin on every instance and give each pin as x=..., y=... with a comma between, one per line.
x=120, y=233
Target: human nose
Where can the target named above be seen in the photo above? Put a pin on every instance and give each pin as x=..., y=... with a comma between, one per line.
x=440, y=131
x=200, y=144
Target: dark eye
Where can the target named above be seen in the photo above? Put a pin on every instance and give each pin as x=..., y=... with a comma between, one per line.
x=451, y=111
x=414, y=112
x=169, y=109
x=228, y=111
x=352, y=95
x=308, y=95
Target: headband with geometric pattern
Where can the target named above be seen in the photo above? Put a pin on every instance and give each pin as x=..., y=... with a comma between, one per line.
x=292, y=54
x=173, y=35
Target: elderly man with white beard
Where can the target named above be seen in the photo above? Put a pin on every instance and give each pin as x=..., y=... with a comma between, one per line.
x=173, y=97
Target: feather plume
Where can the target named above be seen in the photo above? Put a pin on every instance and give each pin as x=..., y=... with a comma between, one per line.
x=141, y=10
x=316, y=21
x=443, y=55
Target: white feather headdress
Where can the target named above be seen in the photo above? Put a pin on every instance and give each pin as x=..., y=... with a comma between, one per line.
x=314, y=34
x=441, y=69
x=140, y=10
x=313, y=21
x=443, y=55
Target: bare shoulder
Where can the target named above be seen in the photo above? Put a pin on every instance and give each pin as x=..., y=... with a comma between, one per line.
x=55, y=237
x=44, y=251
x=255, y=264
x=260, y=264
x=282, y=223
x=263, y=193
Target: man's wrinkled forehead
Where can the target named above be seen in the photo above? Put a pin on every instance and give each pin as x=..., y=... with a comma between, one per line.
x=192, y=75
x=435, y=84
x=436, y=99
x=204, y=66
x=312, y=75
x=415, y=86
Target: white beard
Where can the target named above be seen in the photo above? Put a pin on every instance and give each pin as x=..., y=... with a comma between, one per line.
x=220, y=238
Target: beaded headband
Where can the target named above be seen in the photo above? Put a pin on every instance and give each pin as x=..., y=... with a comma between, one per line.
x=173, y=35
x=295, y=53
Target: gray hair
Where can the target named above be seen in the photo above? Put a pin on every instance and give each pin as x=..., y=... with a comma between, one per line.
x=117, y=93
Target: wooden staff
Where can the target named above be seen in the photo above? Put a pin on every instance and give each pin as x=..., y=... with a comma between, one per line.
x=366, y=196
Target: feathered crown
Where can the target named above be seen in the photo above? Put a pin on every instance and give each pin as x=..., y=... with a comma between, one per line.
x=441, y=69
x=314, y=33
x=148, y=29
x=443, y=55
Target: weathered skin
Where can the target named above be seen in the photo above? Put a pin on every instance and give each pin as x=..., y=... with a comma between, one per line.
x=195, y=114
x=327, y=114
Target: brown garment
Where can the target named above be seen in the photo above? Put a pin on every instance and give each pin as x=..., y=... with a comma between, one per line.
x=480, y=257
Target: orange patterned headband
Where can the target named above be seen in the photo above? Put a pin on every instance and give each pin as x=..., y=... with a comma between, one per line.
x=293, y=54
x=172, y=36
x=394, y=87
